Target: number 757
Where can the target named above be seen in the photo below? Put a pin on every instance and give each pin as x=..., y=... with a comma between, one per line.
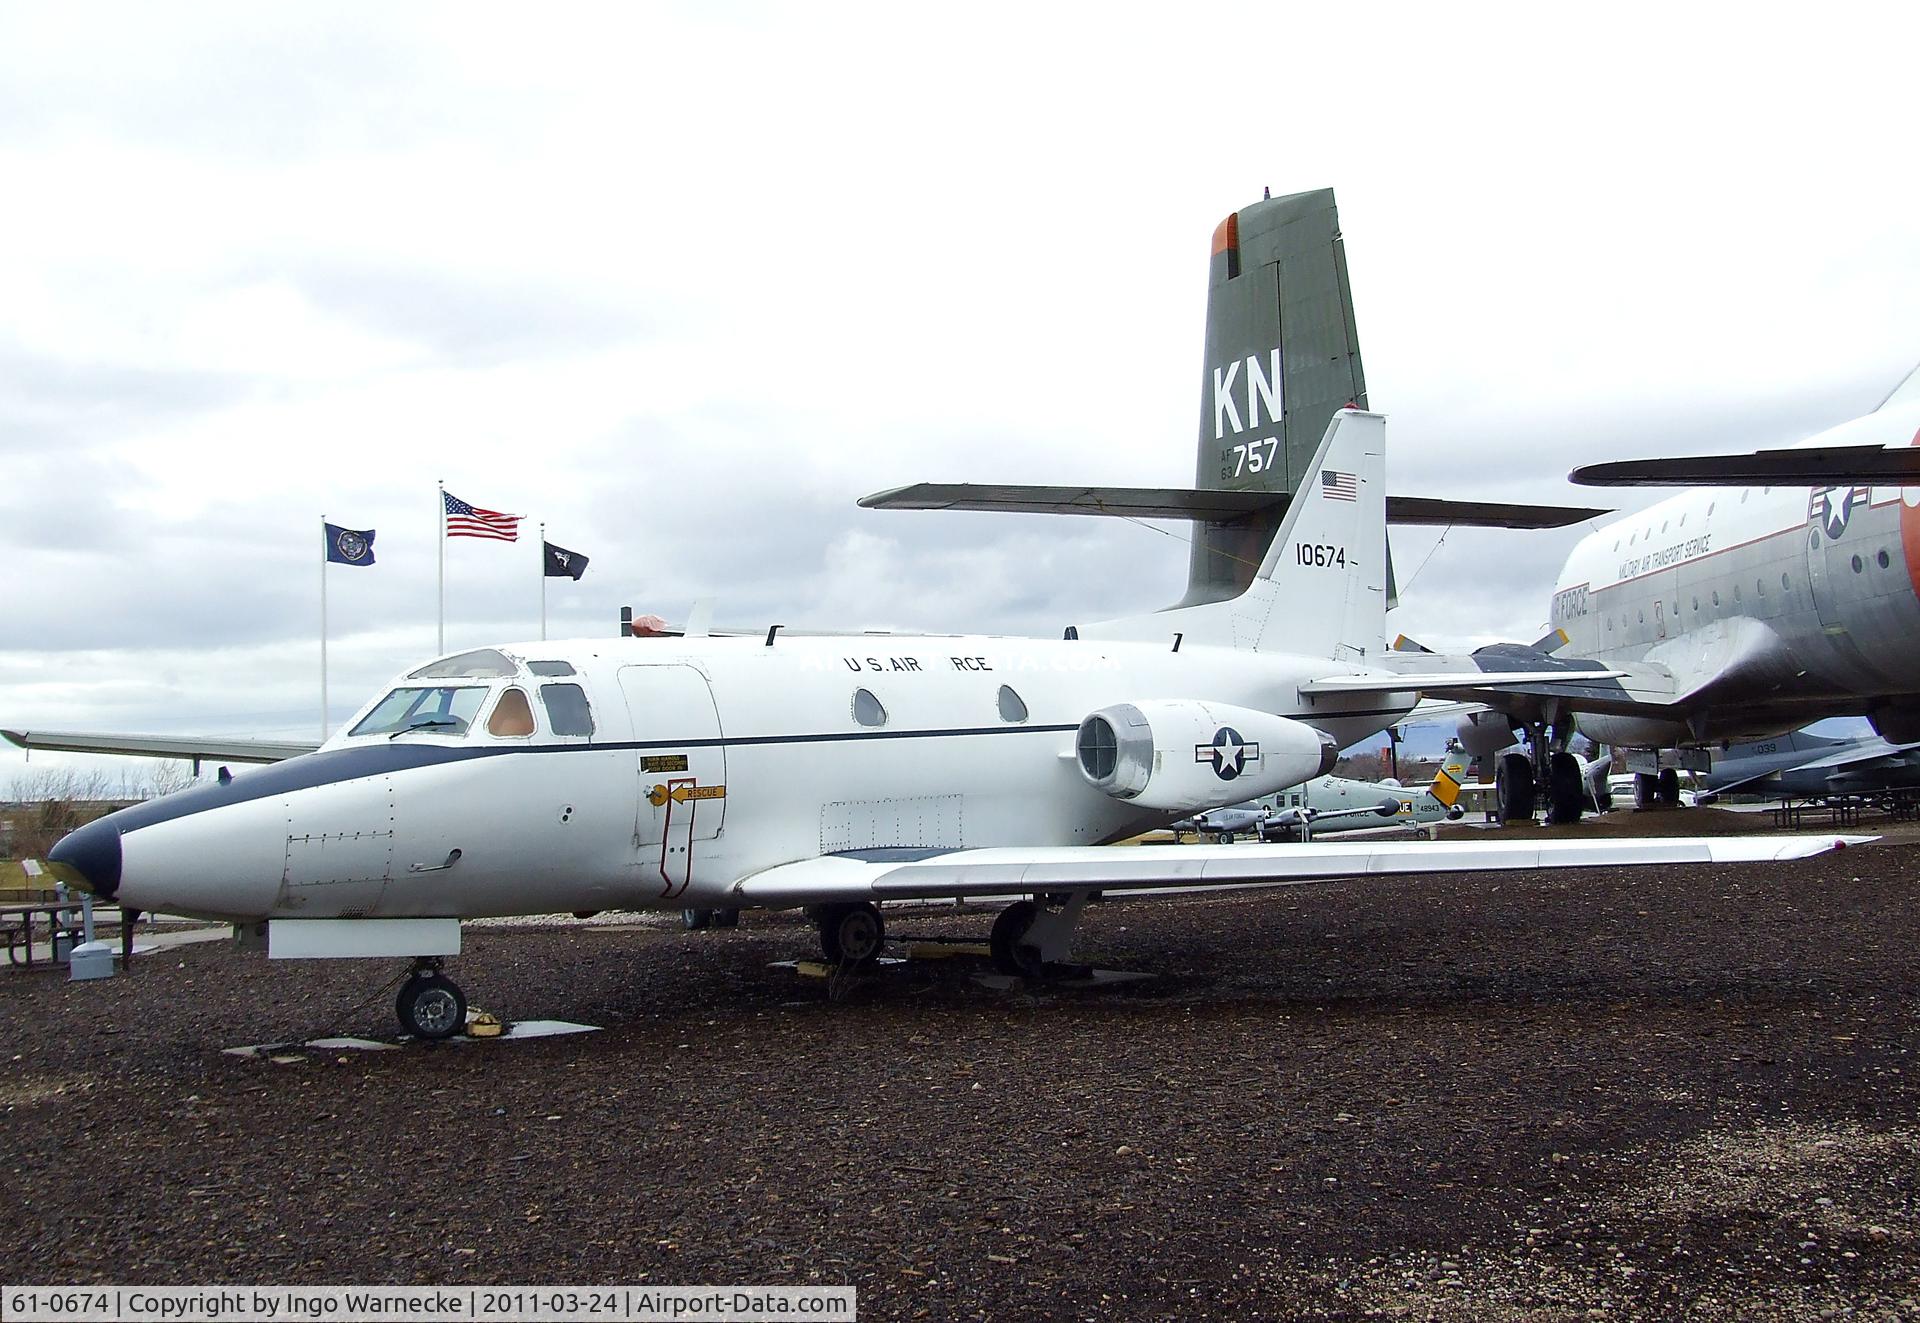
x=1254, y=457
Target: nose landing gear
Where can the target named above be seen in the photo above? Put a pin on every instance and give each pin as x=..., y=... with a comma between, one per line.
x=431, y=1005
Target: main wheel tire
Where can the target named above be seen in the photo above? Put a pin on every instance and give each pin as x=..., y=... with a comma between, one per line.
x=694, y=920
x=852, y=934
x=1226, y=838
x=726, y=918
x=1514, y=788
x=1011, y=952
x=1645, y=790
x=431, y=1006
x=1567, y=789
x=1668, y=791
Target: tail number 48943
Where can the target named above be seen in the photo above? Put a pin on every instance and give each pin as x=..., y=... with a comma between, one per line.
x=1320, y=553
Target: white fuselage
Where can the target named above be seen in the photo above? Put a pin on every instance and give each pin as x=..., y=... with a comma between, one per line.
x=1770, y=605
x=710, y=759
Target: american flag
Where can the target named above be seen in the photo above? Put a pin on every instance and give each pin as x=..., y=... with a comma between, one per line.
x=1339, y=486
x=465, y=520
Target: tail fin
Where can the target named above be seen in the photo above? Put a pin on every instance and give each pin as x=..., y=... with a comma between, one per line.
x=1451, y=776
x=1267, y=398
x=1320, y=589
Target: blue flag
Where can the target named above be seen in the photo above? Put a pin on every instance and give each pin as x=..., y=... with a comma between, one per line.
x=349, y=546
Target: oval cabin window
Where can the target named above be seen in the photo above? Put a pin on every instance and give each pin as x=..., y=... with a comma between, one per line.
x=1012, y=706
x=868, y=710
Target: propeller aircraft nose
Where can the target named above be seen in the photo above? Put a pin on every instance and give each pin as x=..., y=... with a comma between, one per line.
x=89, y=858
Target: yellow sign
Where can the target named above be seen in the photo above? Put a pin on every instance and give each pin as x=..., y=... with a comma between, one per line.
x=680, y=794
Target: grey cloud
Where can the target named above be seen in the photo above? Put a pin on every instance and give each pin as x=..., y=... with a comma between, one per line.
x=47, y=404
x=471, y=318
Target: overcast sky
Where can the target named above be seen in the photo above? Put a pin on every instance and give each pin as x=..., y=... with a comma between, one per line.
x=684, y=281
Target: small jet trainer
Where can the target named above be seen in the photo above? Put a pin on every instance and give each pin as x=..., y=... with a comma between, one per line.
x=835, y=773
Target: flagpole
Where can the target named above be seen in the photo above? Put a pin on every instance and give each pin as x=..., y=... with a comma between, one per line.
x=543, y=583
x=323, y=629
x=440, y=637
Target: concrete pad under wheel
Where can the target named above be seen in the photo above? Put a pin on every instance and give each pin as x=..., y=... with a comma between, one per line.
x=1093, y=978
x=286, y=1053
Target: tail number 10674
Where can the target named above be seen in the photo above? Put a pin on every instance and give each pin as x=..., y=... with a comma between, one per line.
x=1320, y=553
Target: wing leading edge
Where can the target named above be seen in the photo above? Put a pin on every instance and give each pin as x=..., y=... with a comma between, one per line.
x=1003, y=871
x=159, y=746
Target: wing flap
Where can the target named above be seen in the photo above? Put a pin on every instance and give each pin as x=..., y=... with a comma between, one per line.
x=1016, y=871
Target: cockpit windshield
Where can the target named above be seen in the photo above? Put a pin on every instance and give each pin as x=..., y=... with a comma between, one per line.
x=480, y=664
x=441, y=709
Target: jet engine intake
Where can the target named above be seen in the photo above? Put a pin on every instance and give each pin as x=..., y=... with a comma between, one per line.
x=1183, y=756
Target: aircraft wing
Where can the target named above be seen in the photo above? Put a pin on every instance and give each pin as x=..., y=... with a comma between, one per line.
x=1000, y=871
x=160, y=746
x=1859, y=755
x=1449, y=683
x=1210, y=506
x=1816, y=466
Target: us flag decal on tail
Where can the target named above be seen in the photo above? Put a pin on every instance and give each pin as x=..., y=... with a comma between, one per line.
x=1339, y=486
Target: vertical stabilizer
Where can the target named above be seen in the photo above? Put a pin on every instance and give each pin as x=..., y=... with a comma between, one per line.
x=1320, y=589
x=1282, y=356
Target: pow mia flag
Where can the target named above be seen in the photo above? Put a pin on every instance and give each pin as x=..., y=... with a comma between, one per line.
x=349, y=546
x=564, y=564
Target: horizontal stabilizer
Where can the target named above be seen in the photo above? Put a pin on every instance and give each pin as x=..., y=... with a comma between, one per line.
x=160, y=746
x=1820, y=466
x=1207, y=506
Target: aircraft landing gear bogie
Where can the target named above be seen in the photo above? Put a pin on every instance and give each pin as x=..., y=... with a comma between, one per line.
x=1012, y=953
x=851, y=934
x=431, y=1005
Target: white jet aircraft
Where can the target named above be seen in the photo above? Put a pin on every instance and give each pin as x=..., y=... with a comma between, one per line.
x=835, y=773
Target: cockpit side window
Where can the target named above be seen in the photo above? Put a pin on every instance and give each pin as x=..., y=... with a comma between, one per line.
x=442, y=709
x=480, y=664
x=568, y=712
x=512, y=716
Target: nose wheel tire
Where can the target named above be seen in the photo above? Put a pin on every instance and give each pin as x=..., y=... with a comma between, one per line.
x=852, y=934
x=694, y=920
x=431, y=1006
x=1012, y=953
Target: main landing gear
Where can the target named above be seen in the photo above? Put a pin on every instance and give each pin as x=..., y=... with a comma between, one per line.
x=851, y=934
x=694, y=920
x=431, y=1005
x=1547, y=770
x=1662, y=791
x=1028, y=936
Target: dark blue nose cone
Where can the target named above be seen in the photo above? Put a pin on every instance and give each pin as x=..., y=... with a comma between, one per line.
x=89, y=857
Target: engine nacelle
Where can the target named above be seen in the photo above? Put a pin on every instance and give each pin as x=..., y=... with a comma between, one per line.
x=1483, y=733
x=1185, y=755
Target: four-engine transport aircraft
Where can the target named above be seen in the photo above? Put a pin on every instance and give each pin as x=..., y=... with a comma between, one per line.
x=1780, y=592
x=828, y=772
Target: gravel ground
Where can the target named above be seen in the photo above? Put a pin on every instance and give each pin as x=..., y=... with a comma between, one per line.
x=1623, y=1094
